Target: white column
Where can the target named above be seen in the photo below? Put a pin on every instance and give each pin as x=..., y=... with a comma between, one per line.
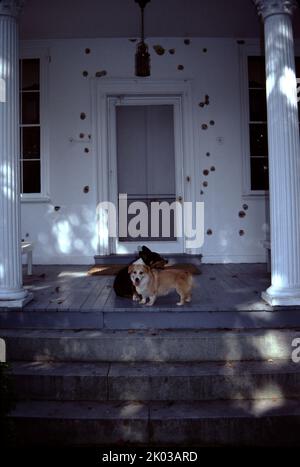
x=11, y=289
x=284, y=152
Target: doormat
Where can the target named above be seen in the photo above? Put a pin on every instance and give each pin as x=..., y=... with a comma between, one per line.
x=113, y=269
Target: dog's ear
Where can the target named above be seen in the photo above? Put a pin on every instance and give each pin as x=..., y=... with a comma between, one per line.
x=147, y=269
x=146, y=250
x=130, y=268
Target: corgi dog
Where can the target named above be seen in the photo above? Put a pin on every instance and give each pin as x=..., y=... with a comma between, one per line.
x=152, y=283
x=123, y=286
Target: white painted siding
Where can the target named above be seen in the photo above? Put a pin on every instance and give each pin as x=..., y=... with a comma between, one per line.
x=69, y=235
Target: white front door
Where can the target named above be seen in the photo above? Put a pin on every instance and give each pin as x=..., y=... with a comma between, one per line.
x=145, y=165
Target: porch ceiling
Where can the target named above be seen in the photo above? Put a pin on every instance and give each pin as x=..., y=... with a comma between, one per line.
x=120, y=18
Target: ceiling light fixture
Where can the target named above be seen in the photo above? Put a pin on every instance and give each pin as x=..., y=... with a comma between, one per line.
x=142, y=56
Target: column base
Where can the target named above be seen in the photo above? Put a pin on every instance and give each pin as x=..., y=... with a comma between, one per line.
x=281, y=297
x=18, y=303
x=13, y=294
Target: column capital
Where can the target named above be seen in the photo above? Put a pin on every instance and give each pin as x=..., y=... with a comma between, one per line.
x=267, y=8
x=11, y=7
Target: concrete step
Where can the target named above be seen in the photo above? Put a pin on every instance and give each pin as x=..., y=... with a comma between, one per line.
x=135, y=317
x=144, y=346
x=250, y=423
x=43, y=319
x=156, y=381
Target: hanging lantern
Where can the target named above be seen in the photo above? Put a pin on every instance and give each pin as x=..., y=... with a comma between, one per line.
x=142, y=56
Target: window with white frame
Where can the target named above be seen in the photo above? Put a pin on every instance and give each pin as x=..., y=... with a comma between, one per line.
x=33, y=147
x=258, y=131
x=30, y=126
x=256, y=139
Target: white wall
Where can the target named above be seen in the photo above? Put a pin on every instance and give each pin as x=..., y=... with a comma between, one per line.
x=69, y=235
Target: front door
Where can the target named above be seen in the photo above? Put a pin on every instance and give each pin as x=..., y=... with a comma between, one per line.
x=146, y=170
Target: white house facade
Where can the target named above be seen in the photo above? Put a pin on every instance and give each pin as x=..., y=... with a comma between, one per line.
x=61, y=150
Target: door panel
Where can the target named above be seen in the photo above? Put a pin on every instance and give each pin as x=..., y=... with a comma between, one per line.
x=131, y=154
x=146, y=167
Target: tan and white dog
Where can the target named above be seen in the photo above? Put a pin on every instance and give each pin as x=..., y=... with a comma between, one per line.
x=152, y=283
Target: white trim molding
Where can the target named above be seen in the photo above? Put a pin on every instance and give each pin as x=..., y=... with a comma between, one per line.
x=42, y=53
x=250, y=48
x=176, y=102
x=137, y=88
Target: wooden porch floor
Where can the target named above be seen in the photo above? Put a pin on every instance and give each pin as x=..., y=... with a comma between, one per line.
x=228, y=287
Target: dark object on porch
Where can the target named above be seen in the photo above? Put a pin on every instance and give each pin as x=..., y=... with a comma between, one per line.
x=180, y=67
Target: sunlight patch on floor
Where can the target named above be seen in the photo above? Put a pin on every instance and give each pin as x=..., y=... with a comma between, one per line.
x=260, y=407
x=72, y=274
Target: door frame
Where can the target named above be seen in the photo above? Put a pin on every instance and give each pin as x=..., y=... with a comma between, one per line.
x=175, y=246
x=108, y=91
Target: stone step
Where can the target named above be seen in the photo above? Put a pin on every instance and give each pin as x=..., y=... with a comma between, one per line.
x=135, y=317
x=220, y=423
x=141, y=346
x=156, y=381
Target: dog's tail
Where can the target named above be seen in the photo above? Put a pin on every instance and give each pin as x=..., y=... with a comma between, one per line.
x=190, y=279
